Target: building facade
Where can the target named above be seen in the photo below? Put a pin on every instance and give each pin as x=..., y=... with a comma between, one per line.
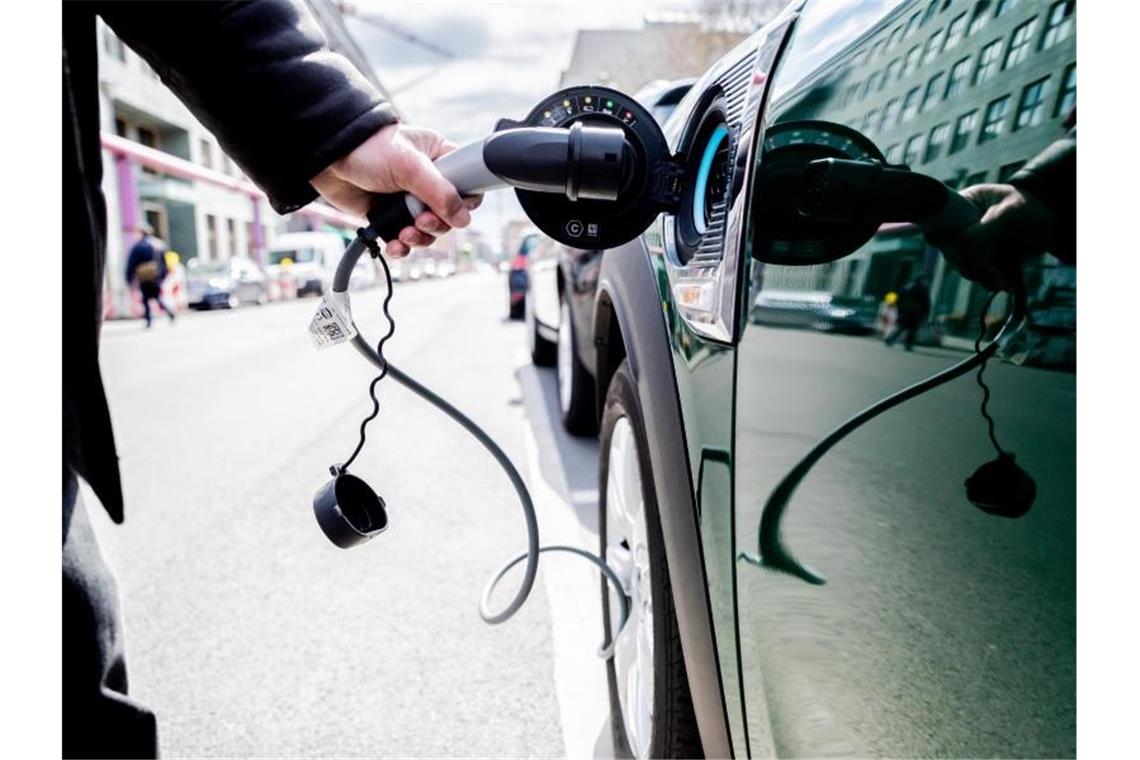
x=198, y=217
x=964, y=90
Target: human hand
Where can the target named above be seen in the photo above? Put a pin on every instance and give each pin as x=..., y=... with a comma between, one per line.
x=399, y=158
x=1014, y=226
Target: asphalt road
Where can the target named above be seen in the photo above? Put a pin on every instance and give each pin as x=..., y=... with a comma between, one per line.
x=251, y=635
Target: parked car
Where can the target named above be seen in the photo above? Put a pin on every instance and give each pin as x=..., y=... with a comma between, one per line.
x=559, y=301
x=817, y=310
x=312, y=258
x=942, y=629
x=225, y=284
x=518, y=278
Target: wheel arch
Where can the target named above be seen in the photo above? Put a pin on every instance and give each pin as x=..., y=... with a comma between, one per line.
x=629, y=323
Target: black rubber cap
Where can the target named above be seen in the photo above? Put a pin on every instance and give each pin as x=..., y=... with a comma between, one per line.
x=349, y=511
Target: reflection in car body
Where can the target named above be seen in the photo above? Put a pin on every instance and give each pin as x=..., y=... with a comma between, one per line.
x=821, y=311
x=941, y=630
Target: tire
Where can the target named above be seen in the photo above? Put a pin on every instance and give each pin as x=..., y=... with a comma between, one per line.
x=543, y=353
x=576, y=391
x=671, y=730
x=515, y=309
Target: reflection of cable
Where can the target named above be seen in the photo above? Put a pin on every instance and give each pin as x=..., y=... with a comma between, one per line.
x=981, y=369
x=772, y=553
x=367, y=240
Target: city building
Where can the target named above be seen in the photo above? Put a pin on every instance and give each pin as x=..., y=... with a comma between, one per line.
x=162, y=167
x=1010, y=65
x=628, y=59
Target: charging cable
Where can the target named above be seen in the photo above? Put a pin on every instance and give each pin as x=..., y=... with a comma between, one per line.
x=366, y=241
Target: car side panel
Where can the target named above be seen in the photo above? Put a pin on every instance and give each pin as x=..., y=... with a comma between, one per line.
x=628, y=293
x=941, y=630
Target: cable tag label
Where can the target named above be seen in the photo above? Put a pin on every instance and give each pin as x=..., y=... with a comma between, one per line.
x=332, y=324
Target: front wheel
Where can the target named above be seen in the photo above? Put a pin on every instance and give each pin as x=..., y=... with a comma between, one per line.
x=650, y=705
x=542, y=351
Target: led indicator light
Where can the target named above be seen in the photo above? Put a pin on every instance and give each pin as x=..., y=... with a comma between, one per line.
x=589, y=99
x=566, y=103
x=628, y=115
x=609, y=104
x=547, y=114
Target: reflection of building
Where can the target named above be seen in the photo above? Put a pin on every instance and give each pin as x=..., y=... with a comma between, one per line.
x=963, y=91
x=196, y=216
x=628, y=59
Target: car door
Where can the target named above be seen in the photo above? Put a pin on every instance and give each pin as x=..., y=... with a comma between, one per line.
x=941, y=629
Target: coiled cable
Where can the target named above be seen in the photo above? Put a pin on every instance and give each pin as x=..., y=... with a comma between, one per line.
x=366, y=241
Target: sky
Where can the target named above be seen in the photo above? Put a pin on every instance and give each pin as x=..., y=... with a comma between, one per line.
x=507, y=56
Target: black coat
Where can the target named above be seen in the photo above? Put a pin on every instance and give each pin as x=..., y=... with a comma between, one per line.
x=260, y=77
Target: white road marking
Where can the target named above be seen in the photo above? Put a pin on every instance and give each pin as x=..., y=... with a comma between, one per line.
x=574, y=595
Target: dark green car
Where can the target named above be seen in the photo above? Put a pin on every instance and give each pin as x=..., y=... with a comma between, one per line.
x=942, y=629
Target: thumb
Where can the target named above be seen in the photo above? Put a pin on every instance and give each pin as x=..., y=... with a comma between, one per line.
x=425, y=182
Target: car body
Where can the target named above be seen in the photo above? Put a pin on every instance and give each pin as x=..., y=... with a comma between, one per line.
x=309, y=257
x=518, y=277
x=225, y=284
x=816, y=310
x=561, y=285
x=942, y=629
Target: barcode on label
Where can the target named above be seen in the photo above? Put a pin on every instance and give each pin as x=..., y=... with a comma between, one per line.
x=330, y=324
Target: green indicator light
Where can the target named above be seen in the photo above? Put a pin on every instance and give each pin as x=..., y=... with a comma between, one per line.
x=609, y=104
x=566, y=103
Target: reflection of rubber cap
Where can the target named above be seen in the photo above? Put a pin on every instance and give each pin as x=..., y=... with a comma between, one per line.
x=348, y=511
x=1001, y=488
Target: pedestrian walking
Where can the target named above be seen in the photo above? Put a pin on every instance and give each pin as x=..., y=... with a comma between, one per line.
x=146, y=269
x=301, y=122
x=913, y=306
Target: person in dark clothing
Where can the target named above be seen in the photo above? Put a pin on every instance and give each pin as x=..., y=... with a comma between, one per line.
x=146, y=267
x=301, y=122
x=1035, y=212
x=913, y=307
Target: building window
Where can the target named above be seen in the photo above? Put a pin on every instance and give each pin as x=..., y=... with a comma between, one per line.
x=980, y=17
x=930, y=10
x=892, y=72
x=910, y=105
x=930, y=97
x=987, y=62
x=876, y=48
x=958, y=74
x=211, y=238
x=912, y=60
x=872, y=83
x=912, y=25
x=892, y=154
x=1019, y=43
x=995, y=115
x=955, y=32
x=913, y=150
x=965, y=127
x=870, y=120
x=120, y=127
x=1003, y=6
x=113, y=46
x=932, y=46
x=1031, y=107
x=891, y=113
x=231, y=234
x=1067, y=100
x=1007, y=171
x=896, y=35
x=206, y=151
x=1059, y=24
x=148, y=137
x=937, y=139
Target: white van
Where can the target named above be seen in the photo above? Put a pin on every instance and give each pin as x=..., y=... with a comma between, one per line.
x=312, y=258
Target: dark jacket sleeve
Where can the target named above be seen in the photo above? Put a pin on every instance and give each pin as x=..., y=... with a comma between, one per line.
x=260, y=76
x=1052, y=177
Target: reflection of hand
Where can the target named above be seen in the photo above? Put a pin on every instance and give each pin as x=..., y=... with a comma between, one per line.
x=1014, y=225
x=399, y=158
